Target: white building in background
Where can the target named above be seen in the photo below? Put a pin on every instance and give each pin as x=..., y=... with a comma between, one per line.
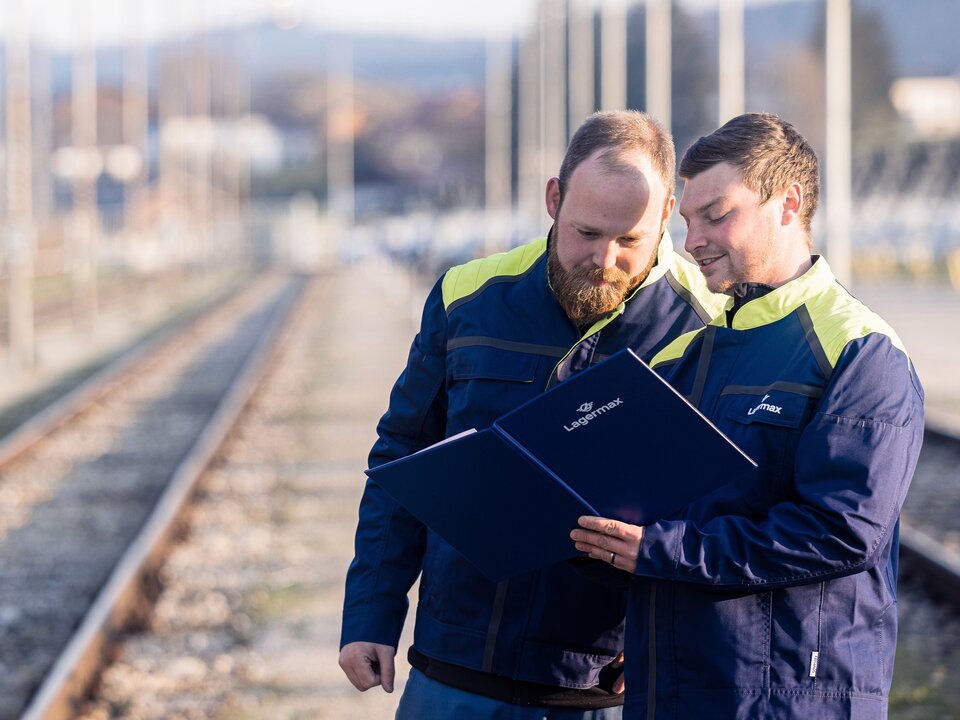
x=252, y=138
x=302, y=237
x=930, y=105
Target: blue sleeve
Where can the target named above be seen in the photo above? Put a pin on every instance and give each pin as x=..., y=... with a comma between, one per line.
x=390, y=542
x=852, y=469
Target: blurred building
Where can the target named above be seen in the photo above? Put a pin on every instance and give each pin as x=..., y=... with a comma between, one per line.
x=929, y=105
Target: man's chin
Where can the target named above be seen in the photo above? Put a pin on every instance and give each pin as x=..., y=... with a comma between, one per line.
x=717, y=282
x=586, y=299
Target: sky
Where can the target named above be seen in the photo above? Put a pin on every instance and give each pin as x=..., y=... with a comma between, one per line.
x=66, y=23
x=69, y=23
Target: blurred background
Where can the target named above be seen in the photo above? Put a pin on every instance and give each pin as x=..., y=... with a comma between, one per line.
x=154, y=153
x=149, y=145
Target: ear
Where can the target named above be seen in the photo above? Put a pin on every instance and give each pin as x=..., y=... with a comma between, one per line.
x=553, y=197
x=668, y=210
x=792, y=204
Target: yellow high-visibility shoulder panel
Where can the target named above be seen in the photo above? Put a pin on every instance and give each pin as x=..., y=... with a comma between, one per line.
x=463, y=280
x=839, y=318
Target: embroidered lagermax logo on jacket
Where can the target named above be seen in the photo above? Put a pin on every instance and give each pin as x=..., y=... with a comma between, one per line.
x=591, y=414
x=764, y=405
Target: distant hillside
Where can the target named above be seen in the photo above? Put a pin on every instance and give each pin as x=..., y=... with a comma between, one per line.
x=923, y=35
x=268, y=52
x=406, y=61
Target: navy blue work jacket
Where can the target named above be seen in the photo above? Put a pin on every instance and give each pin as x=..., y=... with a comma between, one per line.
x=776, y=597
x=492, y=337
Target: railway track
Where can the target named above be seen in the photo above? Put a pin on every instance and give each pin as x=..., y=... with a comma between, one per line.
x=92, y=494
x=926, y=682
x=930, y=528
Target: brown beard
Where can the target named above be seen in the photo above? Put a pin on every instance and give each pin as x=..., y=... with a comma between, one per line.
x=584, y=303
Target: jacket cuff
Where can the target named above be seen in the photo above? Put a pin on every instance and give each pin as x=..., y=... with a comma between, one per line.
x=371, y=624
x=660, y=550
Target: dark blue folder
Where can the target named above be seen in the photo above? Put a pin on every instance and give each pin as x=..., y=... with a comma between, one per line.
x=614, y=440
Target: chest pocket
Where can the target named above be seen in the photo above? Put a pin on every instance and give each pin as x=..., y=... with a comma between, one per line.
x=486, y=382
x=777, y=407
x=490, y=363
x=767, y=426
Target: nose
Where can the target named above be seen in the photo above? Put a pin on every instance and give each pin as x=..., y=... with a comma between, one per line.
x=694, y=239
x=606, y=254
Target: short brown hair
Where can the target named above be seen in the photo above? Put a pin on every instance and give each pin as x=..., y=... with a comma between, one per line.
x=768, y=151
x=620, y=132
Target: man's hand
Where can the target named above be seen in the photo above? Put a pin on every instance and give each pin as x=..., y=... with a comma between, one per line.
x=611, y=541
x=368, y=664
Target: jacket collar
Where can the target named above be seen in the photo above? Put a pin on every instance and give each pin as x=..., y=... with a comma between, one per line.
x=665, y=260
x=781, y=301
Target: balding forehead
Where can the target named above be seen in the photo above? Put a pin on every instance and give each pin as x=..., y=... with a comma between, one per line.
x=634, y=162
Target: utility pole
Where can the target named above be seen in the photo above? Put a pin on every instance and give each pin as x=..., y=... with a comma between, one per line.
x=732, y=76
x=172, y=123
x=553, y=85
x=41, y=90
x=497, y=195
x=838, y=175
x=531, y=182
x=168, y=118
x=85, y=220
x=581, y=54
x=199, y=190
x=340, y=131
x=136, y=117
x=613, y=55
x=237, y=169
x=659, y=65
x=19, y=233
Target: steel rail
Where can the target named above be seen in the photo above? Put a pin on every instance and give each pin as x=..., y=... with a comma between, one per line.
x=123, y=594
x=937, y=566
x=98, y=384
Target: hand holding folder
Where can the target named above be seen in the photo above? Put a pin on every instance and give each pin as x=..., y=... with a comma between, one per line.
x=614, y=441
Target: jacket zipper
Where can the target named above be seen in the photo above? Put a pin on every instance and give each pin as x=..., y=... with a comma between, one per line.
x=815, y=655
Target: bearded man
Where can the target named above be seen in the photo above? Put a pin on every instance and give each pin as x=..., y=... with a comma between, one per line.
x=495, y=333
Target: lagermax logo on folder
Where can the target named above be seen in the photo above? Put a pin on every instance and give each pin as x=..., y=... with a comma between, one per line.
x=591, y=414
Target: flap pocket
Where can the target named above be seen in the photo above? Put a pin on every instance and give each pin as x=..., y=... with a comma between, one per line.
x=490, y=363
x=774, y=407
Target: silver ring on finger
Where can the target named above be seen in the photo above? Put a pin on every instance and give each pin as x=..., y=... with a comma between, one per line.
x=613, y=556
